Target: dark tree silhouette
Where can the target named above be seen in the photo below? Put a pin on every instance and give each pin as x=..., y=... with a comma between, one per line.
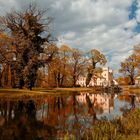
x=29, y=31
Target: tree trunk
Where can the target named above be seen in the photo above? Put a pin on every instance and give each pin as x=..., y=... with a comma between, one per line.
x=89, y=75
x=13, y=84
x=5, y=75
x=0, y=79
x=58, y=79
x=62, y=80
x=132, y=80
x=88, y=78
x=74, y=81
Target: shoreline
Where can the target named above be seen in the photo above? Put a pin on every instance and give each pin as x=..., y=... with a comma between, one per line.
x=41, y=92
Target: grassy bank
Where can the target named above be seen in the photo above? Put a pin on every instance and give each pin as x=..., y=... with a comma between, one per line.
x=40, y=92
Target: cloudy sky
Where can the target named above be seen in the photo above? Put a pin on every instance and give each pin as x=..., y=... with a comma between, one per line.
x=111, y=26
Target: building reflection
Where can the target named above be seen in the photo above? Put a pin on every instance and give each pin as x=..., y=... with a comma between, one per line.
x=103, y=103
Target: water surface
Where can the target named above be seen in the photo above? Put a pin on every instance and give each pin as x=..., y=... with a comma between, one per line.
x=52, y=117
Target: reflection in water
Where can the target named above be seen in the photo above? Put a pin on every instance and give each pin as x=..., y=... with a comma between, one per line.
x=102, y=103
x=132, y=100
x=54, y=116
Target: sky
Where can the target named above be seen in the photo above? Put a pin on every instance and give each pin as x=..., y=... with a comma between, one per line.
x=110, y=26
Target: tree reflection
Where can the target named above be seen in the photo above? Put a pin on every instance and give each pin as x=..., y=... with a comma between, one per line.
x=133, y=98
x=18, y=121
x=91, y=107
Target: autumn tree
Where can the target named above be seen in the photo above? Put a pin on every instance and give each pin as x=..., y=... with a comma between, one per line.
x=66, y=66
x=59, y=67
x=29, y=31
x=129, y=68
x=95, y=57
x=65, y=55
x=77, y=64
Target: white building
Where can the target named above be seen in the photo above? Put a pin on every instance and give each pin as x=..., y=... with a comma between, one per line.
x=105, y=79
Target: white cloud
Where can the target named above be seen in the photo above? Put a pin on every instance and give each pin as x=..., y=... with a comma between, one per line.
x=130, y=24
x=70, y=35
x=6, y=6
x=109, y=30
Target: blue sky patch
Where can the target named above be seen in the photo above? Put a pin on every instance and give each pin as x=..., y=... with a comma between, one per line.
x=132, y=14
x=133, y=9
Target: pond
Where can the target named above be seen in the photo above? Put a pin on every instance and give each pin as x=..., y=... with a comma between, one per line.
x=52, y=117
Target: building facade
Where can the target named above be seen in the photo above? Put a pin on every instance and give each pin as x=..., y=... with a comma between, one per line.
x=104, y=79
